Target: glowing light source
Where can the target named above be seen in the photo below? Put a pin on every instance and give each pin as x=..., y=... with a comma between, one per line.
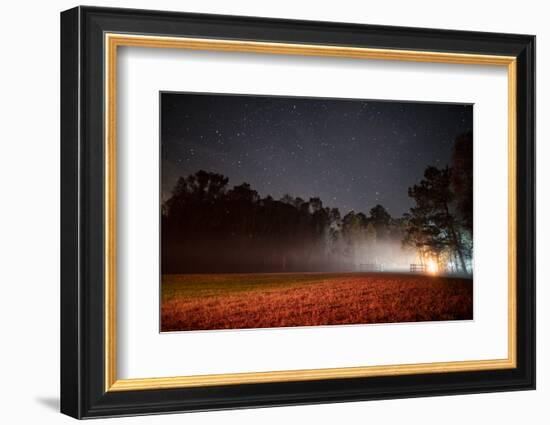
x=431, y=266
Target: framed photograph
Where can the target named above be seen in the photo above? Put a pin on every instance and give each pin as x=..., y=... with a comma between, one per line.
x=261, y=212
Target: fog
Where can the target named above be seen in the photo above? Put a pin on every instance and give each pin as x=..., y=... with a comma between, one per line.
x=243, y=255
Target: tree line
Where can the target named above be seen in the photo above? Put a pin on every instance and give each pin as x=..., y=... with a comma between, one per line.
x=208, y=226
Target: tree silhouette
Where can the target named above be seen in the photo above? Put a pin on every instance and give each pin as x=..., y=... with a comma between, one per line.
x=462, y=178
x=208, y=226
x=432, y=225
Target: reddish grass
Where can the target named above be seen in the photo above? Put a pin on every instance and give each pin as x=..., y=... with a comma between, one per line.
x=222, y=302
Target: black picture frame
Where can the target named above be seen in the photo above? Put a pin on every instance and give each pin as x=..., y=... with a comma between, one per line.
x=83, y=392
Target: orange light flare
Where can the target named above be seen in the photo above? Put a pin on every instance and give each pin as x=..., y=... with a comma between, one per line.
x=432, y=267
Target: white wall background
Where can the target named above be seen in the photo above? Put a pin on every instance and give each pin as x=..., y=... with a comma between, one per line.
x=29, y=179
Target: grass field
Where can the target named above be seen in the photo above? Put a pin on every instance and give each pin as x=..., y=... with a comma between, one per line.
x=237, y=301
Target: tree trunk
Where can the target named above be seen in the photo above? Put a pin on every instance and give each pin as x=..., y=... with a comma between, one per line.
x=456, y=242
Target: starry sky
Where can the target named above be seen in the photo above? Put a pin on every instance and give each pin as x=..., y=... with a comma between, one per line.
x=351, y=153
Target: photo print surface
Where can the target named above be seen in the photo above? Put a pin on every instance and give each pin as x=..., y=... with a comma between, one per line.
x=299, y=211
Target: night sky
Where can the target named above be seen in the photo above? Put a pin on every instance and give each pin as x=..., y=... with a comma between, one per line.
x=353, y=154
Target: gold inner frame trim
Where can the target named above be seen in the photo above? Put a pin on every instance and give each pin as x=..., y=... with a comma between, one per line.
x=113, y=41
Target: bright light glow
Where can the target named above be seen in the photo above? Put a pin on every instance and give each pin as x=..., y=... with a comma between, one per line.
x=431, y=266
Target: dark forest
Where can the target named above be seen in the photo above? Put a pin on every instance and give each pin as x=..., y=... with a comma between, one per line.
x=212, y=225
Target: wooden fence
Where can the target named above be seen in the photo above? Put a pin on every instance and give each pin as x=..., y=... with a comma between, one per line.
x=418, y=268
